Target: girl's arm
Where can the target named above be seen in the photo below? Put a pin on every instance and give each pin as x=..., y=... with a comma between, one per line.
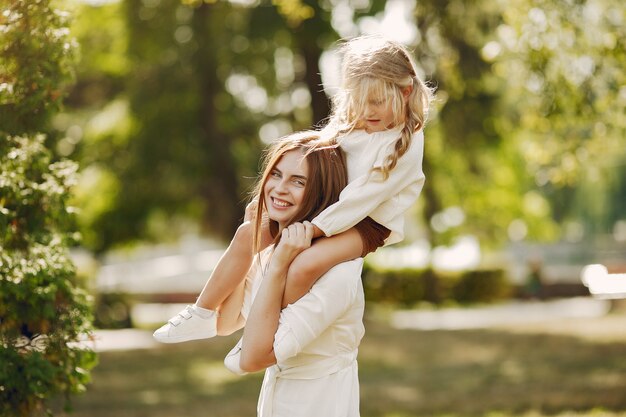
x=365, y=193
x=258, y=336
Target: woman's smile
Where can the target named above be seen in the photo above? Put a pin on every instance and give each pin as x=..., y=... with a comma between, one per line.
x=284, y=189
x=280, y=203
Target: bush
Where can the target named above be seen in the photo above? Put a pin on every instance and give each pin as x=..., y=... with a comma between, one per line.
x=112, y=311
x=37, y=54
x=410, y=286
x=43, y=313
x=482, y=286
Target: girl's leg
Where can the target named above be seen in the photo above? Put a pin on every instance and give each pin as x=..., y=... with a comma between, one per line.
x=200, y=320
x=234, y=263
x=315, y=261
x=230, y=319
x=229, y=271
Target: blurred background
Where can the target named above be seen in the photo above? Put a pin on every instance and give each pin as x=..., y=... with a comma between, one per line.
x=482, y=310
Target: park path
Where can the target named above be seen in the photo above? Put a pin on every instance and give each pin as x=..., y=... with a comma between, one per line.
x=511, y=313
x=514, y=312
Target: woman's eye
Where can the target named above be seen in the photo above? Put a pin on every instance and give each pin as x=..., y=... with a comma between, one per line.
x=300, y=183
x=275, y=174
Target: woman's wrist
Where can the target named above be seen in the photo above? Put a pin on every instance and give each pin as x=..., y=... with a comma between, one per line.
x=278, y=269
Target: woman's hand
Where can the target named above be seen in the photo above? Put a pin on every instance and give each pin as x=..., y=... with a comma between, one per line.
x=294, y=239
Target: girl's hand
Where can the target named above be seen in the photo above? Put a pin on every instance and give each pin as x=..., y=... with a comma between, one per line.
x=294, y=239
x=250, y=213
x=249, y=220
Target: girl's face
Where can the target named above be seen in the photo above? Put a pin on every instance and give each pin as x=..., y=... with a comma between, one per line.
x=378, y=115
x=284, y=189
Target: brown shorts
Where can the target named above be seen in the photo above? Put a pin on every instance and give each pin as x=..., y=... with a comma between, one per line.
x=372, y=233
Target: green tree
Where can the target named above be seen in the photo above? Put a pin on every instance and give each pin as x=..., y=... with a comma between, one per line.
x=43, y=313
x=529, y=131
x=186, y=88
x=564, y=63
x=206, y=77
x=476, y=180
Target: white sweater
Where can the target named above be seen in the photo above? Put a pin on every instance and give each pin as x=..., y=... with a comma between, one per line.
x=367, y=193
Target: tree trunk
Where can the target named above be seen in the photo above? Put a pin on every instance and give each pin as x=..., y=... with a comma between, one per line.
x=319, y=100
x=220, y=190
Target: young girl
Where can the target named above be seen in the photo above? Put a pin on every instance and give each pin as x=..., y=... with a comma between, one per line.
x=377, y=119
x=310, y=347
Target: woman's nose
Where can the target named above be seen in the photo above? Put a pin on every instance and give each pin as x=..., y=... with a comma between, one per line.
x=280, y=187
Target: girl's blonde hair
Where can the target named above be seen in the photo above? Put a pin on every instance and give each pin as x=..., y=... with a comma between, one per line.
x=374, y=68
x=327, y=176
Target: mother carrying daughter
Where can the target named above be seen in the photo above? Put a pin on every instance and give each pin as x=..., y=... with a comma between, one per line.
x=377, y=120
x=309, y=347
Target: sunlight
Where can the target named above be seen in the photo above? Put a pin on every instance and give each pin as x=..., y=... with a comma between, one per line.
x=462, y=255
x=271, y=131
x=396, y=23
x=601, y=284
x=416, y=255
x=98, y=2
x=211, y=375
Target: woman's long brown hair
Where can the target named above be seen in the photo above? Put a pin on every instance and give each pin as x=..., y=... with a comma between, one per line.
x=326, y=178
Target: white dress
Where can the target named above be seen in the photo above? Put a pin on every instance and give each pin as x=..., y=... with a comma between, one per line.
x=367, y=193
x=316, y=346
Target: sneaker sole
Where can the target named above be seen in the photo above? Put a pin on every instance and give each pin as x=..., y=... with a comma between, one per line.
x=180, y=339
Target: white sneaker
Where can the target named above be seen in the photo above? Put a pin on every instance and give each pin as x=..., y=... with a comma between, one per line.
x=189, y=324
x=232, y=360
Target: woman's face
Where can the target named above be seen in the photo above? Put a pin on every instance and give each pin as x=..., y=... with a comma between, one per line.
x=284, y=189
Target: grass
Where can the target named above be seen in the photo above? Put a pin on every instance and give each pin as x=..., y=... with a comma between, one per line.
x=566, y=368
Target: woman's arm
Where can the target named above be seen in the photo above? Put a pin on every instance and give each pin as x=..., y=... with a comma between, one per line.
x=258, y=336
x=308, y=318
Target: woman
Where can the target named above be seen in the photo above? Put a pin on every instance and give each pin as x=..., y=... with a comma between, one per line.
x=309, y=348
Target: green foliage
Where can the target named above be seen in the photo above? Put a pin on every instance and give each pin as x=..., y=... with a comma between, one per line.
x=530, y=122
x=42, y=310
x=526, y=134
x=171, y=97
x=567, y=60
x=103, y=62
x=113, y=311
x=36, y=54
x=563, y=62
x=482, y=286
x=43, y=313
x=472, y=162
x=409, y=286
